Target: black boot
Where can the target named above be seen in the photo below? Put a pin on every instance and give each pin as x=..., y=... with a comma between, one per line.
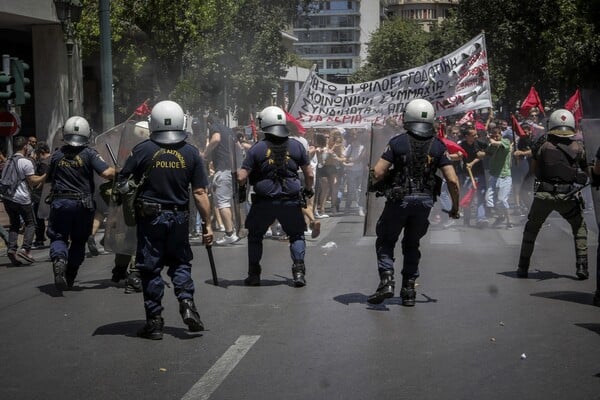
x=59, y=267
x=597, y=298
x=385, y=290
x=153, y=328
x=91, y=243
x=190, y=315
x=522, y=269
x=119, y=273
x=581, y=269
x=298, y=272
x=408, y=292
x=133, y=284
x=253, y=278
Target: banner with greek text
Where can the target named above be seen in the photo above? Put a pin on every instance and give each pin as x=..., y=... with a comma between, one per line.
x=456, y=83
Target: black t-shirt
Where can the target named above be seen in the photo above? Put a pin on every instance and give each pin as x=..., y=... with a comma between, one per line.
x=173, y=171
x=472, y=150
x=72, y=169
x=221, y=155
x=256, y=163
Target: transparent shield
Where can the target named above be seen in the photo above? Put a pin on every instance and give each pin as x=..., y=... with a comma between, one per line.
x=380, y=136
x=121, y=238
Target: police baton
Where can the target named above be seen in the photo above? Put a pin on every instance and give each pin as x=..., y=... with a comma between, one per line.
x=112, y=155
x=211, y=259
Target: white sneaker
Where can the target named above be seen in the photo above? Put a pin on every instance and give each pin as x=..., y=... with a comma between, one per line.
x=228, y=239
x=361, y=212
x=268, y=233
x=321, y=216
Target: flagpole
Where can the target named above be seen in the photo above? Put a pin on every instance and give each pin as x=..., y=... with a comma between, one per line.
x=133, y=113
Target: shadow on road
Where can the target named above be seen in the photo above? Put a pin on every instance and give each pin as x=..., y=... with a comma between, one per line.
x=359, y=298
x=51, y=290
x=130, y=328
x=538, y=275
x=574, y=297
x=225, y=283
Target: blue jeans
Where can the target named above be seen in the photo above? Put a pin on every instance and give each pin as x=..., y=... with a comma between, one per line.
x=412, y=216
x=162, y=241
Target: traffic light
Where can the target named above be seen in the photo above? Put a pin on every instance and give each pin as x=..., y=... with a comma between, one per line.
x=6, y=93
x=18, y=69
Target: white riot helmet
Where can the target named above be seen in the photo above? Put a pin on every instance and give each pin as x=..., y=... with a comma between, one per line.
x=76, y=132
x=418, y=118
x=561, y=123
x=167, y=123
x=272, y=120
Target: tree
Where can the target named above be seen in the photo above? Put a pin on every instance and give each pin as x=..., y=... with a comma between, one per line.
x=397, y=45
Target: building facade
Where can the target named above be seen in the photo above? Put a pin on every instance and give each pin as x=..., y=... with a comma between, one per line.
x=335, y=38
x=426, y=13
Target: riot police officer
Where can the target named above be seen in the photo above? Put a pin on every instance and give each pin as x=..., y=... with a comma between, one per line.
x=405, y=173
x=170, y=166
x=72, y=207
x=560, y=168
x=271, y=166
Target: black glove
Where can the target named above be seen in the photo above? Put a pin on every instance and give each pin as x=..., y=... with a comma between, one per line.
x=242, y=194
x=308, y=192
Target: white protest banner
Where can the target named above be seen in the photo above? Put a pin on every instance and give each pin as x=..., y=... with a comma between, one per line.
x=456, y=83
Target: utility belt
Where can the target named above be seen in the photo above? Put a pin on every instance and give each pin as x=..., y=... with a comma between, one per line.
x=398, y=193
x=86, y=199
x=151, y=209
x=555, y=188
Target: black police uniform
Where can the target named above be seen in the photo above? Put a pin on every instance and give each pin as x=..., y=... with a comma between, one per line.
x=277, y=196
x=71, y=172
x=410, y=197
x=163, y=223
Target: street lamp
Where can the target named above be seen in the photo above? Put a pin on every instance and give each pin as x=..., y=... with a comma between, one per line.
x=68, y=12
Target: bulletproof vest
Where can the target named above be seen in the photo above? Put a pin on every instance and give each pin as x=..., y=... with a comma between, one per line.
x=278, y=165
x=416, y=172
x=558, y=161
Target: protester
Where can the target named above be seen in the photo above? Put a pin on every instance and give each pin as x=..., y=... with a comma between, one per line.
x=18, y=205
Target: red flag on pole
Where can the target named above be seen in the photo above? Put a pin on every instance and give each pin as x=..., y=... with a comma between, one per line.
x=516, y=126
x=574, y=105
x=294, y=124
x=532, y=100
x=453, y=147
x=442, y=130
x=467, y=198
x=143, y=109
x=253, y=127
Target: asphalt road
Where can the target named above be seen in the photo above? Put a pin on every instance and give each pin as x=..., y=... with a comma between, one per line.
x=477, y=332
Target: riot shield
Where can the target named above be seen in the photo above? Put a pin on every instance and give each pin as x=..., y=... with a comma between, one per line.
x=104, y=144
x=119, y=237
x=591, y=138
x=380, y=136
x=44, y=208
x=236, y=155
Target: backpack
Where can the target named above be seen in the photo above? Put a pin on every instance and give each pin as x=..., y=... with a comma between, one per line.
x=11, y=177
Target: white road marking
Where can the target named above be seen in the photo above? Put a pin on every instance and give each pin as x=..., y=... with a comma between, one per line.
x=219, y=371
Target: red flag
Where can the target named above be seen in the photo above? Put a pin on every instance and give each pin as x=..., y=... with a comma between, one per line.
x=442, y=130
x=143, y=109
x=532, y=100
x=574, y=105
x=516, y=126
x=467, y=198
x=453, y=147
x=466, y=118
x=294, y=124
x=253, y=127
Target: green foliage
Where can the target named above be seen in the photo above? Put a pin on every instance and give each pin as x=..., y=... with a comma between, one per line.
x=205, y=54
x=397, y=45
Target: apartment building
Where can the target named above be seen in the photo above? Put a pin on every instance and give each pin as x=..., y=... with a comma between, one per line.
x=426, y=13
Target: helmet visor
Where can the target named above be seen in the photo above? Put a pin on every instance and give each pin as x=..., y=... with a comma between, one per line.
x=564, y=131
x=420, y=128
x=76, y=140
x=168, y=137
x=277, y=130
